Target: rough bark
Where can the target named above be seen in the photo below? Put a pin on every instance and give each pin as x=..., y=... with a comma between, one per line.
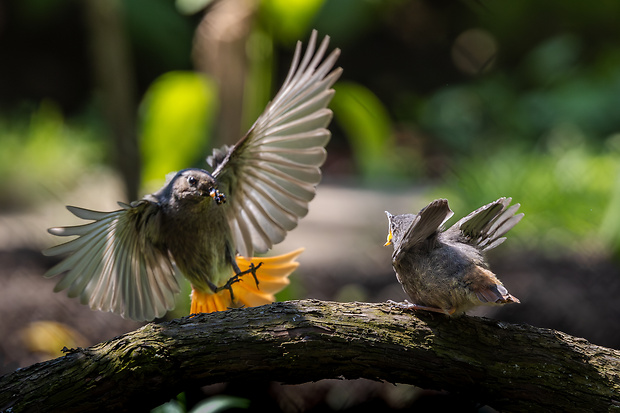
x=509, y=367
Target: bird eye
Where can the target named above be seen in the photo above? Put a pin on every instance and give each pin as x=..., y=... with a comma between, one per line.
x=191, y=180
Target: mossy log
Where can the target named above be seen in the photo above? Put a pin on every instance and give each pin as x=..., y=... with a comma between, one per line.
x=509, y=367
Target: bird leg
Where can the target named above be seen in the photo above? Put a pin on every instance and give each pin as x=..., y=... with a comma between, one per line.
x=237, y=277
x=406, y=305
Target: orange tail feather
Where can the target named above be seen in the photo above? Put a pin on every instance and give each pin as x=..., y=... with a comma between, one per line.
x=208, y=302
x=272, y=278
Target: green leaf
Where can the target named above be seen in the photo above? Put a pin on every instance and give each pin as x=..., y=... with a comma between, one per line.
x=221, y=403
x=177, y=116
x=192, y=6
x=291, y=18
x=367, y=125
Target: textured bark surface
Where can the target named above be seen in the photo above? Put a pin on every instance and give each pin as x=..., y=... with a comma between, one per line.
x=509, y=367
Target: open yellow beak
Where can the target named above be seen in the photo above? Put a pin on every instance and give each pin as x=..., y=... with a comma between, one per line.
x=389, y=239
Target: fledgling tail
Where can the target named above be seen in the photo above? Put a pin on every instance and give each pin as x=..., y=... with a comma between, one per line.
x=272, y=277
x=488, y=288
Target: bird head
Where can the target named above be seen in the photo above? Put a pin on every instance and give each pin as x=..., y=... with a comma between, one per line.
x=195, y=185
x=397, y=226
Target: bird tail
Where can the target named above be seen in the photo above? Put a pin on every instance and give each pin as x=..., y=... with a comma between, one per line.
x=272, y=276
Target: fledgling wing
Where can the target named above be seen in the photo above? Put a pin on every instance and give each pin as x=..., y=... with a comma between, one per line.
x=426, y=223
x=270, y=175
x=113, y=266
x=486, y=226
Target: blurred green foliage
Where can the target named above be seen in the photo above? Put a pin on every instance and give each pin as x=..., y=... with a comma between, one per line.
x=215, y=404
x=349, y=21
x=43, y=154
x=161, y=38
x=259, y=83
x=177, y=116
x=191, y=6
x=368, y=128
x=288, y=20
x=549, y=89
x=610, y=224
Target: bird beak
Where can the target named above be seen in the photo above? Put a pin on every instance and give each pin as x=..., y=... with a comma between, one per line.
x=389, y=239
x=389, y=235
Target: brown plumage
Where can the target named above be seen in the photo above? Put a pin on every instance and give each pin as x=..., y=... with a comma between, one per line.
x=445, y=270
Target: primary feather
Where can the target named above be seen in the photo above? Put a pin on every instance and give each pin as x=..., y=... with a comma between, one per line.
x=272, y=173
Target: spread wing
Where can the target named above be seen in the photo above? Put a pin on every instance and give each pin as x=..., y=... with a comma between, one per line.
x=486, y=226
x=425, y=224
x=270, y=175
x=113, y=266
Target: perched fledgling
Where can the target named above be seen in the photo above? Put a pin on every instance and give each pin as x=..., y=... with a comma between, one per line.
x=445, y=270
x=207, y=226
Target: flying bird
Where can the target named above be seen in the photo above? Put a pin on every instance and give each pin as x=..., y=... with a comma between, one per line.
x=207, y=226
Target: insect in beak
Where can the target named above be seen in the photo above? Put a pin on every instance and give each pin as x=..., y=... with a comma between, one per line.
x=219, y=197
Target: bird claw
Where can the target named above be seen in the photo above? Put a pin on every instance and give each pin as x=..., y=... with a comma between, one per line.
x=406, y=305
x=237, y=277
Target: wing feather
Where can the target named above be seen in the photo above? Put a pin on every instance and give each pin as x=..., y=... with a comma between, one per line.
x=314, y=138
x=288, y=202
x=316, y=120
x=271, y=174
x=486, y=226
x=426, y=223
x=112, y=266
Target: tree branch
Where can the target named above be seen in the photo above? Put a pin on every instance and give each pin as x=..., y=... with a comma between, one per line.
x=509, y=367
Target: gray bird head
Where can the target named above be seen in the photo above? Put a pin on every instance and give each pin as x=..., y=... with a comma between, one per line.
x=194, y=186
x=397, y=225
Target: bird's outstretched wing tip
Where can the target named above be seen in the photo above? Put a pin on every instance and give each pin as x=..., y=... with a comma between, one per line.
x=270, y=175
